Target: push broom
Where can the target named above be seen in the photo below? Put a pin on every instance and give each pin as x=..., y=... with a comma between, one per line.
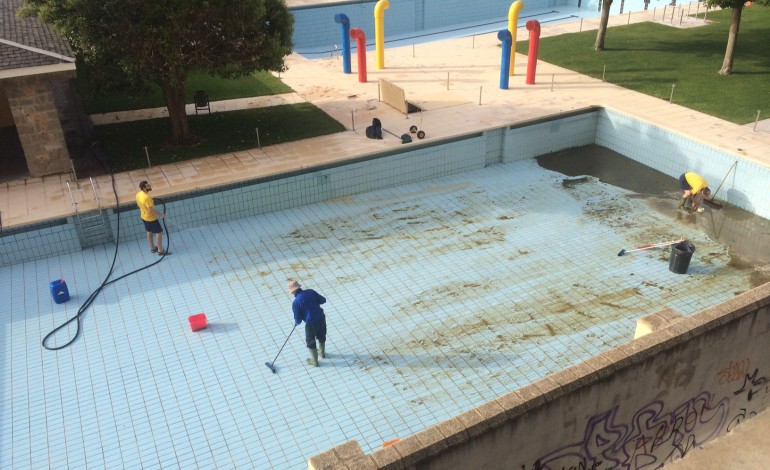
x=271, y=365
x=650, y=246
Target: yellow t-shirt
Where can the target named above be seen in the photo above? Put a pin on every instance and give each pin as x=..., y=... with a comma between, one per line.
x=696, y=182
x=145, y=202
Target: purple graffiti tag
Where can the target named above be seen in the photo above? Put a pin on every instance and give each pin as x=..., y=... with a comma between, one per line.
x=650, y=439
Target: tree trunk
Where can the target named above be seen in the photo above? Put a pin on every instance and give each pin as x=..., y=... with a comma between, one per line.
x=180, y=128
x=732, y=40
x=599, y=45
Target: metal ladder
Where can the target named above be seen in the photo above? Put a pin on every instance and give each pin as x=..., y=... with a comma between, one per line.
x=93, y=227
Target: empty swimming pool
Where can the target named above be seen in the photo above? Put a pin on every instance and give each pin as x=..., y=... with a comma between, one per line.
x=442, y=295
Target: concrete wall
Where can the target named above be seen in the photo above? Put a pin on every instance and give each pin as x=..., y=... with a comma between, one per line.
x=31, y=101
x=640, y=405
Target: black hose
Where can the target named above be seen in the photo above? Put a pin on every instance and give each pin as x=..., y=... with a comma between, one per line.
x=106, y=282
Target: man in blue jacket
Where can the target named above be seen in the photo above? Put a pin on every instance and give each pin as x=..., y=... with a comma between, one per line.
x=307, y=308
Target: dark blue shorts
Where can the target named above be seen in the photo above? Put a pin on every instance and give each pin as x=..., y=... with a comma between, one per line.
x=153, y=227
x=684, y=184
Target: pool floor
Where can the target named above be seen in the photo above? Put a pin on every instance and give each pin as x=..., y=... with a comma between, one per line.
x=441, y=296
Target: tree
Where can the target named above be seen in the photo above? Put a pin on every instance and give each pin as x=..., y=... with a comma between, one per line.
x=735, y=21
x=605, y=18
x=132, y=42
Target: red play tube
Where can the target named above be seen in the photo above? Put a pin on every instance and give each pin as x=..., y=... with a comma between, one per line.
x=360, y=36
x=534, y=43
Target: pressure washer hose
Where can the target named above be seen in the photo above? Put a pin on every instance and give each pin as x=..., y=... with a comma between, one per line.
x=106, y=282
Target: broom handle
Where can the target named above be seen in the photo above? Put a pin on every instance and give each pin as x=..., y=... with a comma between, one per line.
x=723, y=180
x=655, y=245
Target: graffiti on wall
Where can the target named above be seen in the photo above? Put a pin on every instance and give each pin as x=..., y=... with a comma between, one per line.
x=734, y=371
x=654, y=436
x=651, y=438
x=752, y=386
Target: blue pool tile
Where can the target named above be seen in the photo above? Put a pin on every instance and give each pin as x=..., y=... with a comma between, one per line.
x=439, y=300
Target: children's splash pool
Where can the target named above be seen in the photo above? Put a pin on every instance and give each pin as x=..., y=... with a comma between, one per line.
x=416, y=21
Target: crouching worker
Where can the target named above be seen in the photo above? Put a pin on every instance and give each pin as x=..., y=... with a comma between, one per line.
x=307, y=307
x=695, y=189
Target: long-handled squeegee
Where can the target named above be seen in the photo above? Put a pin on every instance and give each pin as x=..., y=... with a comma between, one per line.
x=271, y=365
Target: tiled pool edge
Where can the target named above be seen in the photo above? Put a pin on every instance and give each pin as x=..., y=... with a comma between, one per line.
x=512, y=429
x=658, y=148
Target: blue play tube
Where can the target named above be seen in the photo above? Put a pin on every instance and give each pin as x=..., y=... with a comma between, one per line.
x=344, y=22
x=505, y=63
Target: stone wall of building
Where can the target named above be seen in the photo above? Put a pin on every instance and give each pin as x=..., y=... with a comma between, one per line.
x=31, y=101
x=6, y=118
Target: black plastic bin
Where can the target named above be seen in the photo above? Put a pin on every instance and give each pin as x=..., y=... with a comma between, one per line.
x=681, y=253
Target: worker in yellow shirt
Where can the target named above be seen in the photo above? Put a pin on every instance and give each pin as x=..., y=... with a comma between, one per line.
x=150, y=217
x=695, y=189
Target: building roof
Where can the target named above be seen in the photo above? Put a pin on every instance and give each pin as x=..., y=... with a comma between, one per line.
x=28, y=42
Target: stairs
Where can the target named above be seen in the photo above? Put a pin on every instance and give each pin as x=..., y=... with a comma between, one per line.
x=93, y=227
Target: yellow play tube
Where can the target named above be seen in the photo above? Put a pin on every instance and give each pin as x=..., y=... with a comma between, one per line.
x=513, y=20
x=379, y=31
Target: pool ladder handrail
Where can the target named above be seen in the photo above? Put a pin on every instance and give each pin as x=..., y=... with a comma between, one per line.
x=91, y=227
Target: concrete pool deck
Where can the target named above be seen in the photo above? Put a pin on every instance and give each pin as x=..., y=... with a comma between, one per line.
x=218, y=391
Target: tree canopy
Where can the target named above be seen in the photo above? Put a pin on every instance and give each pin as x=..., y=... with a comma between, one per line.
x=130, y=42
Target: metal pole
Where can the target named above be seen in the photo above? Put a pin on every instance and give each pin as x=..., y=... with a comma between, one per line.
x=378, y=93
x=259, y=145
x=147, y=154
x=581, y=26
x=553, y=77
x=629, y=18
x=447, y=80
x=664, y=13
x=654, y=10
x=756, y=121
x=74, y=173
x=474, y=41
x=412, y=50
x=681, y=17
x=671, y=98
x=480, y=88
x=352, y=120
x=603, y=72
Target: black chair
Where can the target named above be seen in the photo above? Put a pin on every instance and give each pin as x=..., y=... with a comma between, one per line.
x=202, y=101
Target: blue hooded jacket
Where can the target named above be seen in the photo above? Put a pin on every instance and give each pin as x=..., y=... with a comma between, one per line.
x=307, y=306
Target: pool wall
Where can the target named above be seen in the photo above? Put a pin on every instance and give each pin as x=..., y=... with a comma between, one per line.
x=645, y=403
x=315, y=29
x=658, y=148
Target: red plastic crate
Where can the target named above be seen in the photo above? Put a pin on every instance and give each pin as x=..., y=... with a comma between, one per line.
x=198, y=322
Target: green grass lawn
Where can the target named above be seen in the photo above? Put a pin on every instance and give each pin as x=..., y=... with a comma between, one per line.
x=218, y=89
x=650, y=58
x=221, y=132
